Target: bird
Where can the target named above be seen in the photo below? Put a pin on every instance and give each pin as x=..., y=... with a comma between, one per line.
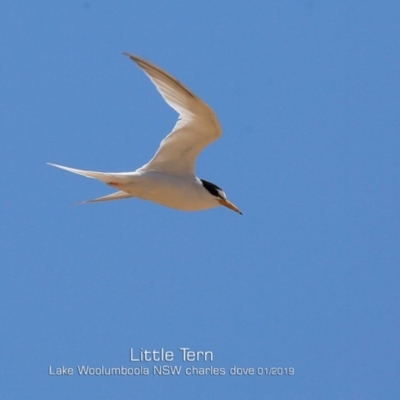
x=169, y=177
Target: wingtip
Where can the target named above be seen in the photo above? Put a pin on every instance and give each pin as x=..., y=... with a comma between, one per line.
x=135, y=59
x=131, y=56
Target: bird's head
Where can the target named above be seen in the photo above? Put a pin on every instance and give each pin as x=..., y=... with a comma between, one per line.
x=219, y=195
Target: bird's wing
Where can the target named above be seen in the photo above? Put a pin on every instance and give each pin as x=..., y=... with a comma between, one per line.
x=196, y=127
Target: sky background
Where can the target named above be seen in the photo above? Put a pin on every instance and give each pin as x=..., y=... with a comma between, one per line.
x=308, y=96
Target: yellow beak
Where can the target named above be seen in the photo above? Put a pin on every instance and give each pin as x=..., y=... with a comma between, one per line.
x=229, y=205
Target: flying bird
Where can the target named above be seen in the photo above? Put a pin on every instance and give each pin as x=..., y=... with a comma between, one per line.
x=169, y=177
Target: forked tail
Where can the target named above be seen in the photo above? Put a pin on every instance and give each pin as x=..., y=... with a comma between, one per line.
x=105, y=177
x=111, y=179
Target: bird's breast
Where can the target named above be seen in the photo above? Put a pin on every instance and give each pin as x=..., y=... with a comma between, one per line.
x=179, y=192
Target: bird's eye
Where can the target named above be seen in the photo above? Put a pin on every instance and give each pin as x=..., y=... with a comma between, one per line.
x=221, y=194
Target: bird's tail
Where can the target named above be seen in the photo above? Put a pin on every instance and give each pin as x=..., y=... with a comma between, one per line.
x=106, y=177
x=113, y=179
x=113, y=196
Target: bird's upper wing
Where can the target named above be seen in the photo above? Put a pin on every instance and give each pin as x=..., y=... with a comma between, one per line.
x=196, y=127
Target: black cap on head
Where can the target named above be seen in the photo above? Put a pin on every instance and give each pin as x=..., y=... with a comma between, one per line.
x=215, y=190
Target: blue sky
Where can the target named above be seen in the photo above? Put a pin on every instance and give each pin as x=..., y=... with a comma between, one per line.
x=307, y=93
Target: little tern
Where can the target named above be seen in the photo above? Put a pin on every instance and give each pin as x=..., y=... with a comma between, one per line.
x=169, y=177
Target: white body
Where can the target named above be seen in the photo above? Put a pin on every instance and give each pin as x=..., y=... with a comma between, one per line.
x=184, y=193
